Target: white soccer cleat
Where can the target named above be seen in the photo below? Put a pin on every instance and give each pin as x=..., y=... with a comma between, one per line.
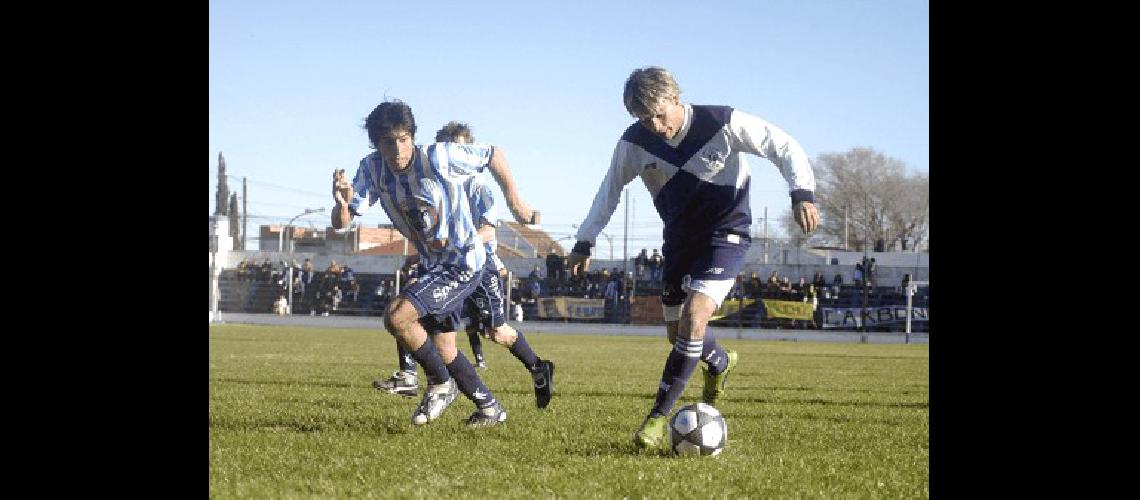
x=401, y=383
x=436, y=399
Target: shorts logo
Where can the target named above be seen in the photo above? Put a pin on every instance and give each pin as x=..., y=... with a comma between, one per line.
x=441, y=292
x=714, y=270
x=651, y=166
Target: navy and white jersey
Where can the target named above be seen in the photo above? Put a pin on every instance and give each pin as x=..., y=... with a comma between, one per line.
x=433, y=182
x=698, y=180
x=482, y=197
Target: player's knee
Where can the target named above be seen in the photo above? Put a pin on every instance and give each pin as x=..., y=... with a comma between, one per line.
x=699, y=307
x=398, y=315
x=445, y=344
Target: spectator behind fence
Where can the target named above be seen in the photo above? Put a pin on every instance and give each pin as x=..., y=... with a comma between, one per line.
x=859, y=274
x=306, y=275
x=333, y=269
x=348, y=283
x=819, y=281
x=265, y=272
x=553, y=269
x=242, y=270
x=655, y=262
x=640, y=263
x=799, y=288
x=535, y=289
x=754, y=288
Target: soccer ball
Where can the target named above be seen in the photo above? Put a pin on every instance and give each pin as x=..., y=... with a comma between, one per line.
x=698, y=429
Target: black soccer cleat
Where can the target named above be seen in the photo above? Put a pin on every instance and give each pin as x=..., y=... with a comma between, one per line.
x=487, y=417
x=543, y=383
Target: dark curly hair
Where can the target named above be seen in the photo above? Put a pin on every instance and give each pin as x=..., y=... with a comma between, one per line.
x=454, y=130
x=387, y=116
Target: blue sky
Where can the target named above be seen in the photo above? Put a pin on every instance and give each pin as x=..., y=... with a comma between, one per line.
x=291, y=83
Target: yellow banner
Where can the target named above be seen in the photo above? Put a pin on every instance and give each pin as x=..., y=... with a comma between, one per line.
x=788, y=309
x=730, y=306
x=569, y=307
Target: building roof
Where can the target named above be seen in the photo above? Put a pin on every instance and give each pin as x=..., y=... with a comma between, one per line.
x=536, y=237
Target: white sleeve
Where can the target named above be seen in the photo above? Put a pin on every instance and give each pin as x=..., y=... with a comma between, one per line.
x=363, y=196
x=609, y=193
x=761, y=138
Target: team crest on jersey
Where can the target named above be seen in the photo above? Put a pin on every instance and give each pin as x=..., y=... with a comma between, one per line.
x=714, y=157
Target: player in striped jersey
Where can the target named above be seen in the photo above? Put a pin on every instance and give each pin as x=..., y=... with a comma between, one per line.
x=421, y=190
x=689, y=157
x=484, y=307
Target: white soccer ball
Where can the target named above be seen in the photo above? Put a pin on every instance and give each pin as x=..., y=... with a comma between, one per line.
x=698, y=429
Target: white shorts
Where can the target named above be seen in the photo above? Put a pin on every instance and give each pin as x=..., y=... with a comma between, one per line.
x=716, y=290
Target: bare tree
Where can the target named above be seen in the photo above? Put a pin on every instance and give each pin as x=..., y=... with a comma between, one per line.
x=881, y=199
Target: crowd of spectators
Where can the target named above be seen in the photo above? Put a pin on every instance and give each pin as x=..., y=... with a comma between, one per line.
x=338, y=288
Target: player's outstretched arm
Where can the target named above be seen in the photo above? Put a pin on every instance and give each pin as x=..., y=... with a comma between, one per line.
x=501, y=171
x=342, y=193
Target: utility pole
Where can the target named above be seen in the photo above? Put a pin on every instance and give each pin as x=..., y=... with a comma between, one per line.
x=625, y=261
x=765, y=235
x=244, y=212
x=625, y=236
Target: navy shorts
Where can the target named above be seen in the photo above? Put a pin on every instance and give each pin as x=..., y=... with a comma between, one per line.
x=707, y=265
x=438, y=295
x=484, y=308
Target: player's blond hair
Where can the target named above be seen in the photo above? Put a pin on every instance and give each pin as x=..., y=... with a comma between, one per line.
x=645, y=86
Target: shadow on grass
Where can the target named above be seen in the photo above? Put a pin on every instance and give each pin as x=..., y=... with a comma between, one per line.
x=917, y=389
x=579, y=394
x=824, y=402
x=308, y=425
x=341, y=385
x=837, y=419
x=621, y=449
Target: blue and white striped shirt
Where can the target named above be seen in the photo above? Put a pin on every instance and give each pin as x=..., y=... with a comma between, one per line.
x=482, y=197
x=436, y=179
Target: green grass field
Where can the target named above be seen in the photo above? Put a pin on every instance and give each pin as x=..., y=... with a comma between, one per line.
x=293, y=414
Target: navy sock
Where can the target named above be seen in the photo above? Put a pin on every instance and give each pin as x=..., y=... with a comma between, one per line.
x=469, y=382
x=714, y=354
x=476, y=343
x=521, y=349
x=428, y=357
x=407, y=362
x=679, y=366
